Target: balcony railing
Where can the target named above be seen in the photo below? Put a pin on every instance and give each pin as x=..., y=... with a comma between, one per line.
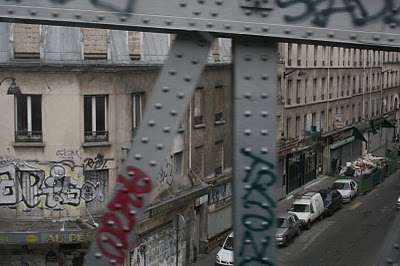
x=96, y=136
x=28, y=136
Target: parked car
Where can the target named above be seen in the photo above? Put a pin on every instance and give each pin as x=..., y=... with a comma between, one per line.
x=225, y=254
x=288, y=225
x=308, y=207
x=398, y=203
x=347, y=187
x=332, y=200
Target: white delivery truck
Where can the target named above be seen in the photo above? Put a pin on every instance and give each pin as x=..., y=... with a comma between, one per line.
x=308, y=207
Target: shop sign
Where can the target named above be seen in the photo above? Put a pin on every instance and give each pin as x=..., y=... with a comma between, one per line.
x=339, y=121
x=47, y=237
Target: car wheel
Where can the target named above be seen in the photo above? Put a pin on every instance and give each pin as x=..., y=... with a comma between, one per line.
x=308, y=225
x=299, y=231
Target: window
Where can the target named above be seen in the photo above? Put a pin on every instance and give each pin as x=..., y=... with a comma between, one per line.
x=137, y=110
x=178, y=165
x=198, y=162
x=289, y=91
x=95, y=118
x=314, y=89
x=94, y=190
x=28, y=118
x=288, y=127
x=218, y=103
x=219, y=157
x=198, y=106
x=298, y=91
x=297, y=126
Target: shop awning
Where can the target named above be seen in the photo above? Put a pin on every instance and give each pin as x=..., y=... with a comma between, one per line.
x=358, y=130
x=388, y=124
x=383, y=122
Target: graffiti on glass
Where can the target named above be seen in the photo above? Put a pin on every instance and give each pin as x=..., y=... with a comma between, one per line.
x=321, y=11
x=259, y=216
x=112, y=237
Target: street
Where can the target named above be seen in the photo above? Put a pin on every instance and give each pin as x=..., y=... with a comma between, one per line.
x=352, y=236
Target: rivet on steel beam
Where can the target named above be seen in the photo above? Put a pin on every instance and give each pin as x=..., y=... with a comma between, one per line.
x=247, y=113
x=192, y=23
x=200, y=1
x=393, y=25
x=247, y=77
x=265, y=224
x=396, y=246
x=264, y=150
x=100, y=17
x=78, y=16
x=123, y=19
x=264, y=132
x=247, y=132
x=264, y=95
x=227, y=26
x=32, y=12
x=209, y=25
x=353, y=36
x=377, y=37
x=182, y=4
x=389, y=261
x=98, y=255
x=309, y=33
x=247, y=12
x=247, y=27
x=152, y=163
x=247, y=241
x=331, y=34
x=117, y=206
x=168, y=22
x=264, y=77
x=287, y=31
x=196, y=12
x=187, y=78
x=126, y=229
x=113, y=262
x=172, y=72
x=264, y=58
x=195, y=61
x=391, y=39
x=104, y=239
x=159, y=146
x=110, y=222
x=158, y=106
x=248, y=150
x=145, y=20
x=264, y=14
x=173, y=112
x=247, y=222
x=151, y=123
x=247, y=187
x=214, y=13
x=264, y=113
x=55, y=14
x=265, y=29
x=179, y=55
x=265, y=259
x=165, y=89
x=247, y=168
x=166, y=129
x=219, y=2
x=131, y=173
x=181, y=95
x=264, y=241
x=145, y=140
x=247, y=95
x=132, y=212
x=10, y=11
x=138, y=156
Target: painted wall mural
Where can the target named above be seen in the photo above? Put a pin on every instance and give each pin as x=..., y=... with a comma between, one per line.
x=52, y=185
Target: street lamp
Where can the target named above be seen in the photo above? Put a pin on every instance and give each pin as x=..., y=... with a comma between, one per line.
x=14, y=88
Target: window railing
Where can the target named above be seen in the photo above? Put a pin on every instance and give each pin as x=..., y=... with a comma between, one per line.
x=28, y=136
x=218, y=116
x=96, y=136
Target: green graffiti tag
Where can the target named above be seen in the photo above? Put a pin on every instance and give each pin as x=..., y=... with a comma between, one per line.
x=259, y=178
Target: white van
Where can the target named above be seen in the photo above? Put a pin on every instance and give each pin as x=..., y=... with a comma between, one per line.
x=225, y=255
x=308, y=207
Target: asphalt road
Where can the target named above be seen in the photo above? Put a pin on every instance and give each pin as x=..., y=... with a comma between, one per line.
x=354, y=235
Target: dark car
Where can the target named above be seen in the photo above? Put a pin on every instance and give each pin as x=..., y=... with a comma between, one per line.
x=288, y=226
x=332, y=200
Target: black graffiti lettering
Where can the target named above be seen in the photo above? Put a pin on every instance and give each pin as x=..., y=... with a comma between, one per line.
x=321, y=11
x=97, y=163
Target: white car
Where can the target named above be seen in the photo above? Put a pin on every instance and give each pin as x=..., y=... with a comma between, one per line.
x=225, y=255
x=398, y=203
x=347, y=187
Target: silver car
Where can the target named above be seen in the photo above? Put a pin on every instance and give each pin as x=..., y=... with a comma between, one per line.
x=288, y=225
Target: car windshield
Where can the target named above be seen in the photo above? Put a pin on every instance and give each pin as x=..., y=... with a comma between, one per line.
x=282, y=223
x=300, y=208
x=229, y=244
x=341, y=186
x=326, y=196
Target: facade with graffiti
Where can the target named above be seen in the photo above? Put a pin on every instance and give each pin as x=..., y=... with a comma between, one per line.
x=84, y=92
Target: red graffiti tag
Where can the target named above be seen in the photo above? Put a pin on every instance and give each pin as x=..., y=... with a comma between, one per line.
x=112, y=237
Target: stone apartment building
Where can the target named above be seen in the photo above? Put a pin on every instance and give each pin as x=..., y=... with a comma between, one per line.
x=333, y=101
x=65, y=137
